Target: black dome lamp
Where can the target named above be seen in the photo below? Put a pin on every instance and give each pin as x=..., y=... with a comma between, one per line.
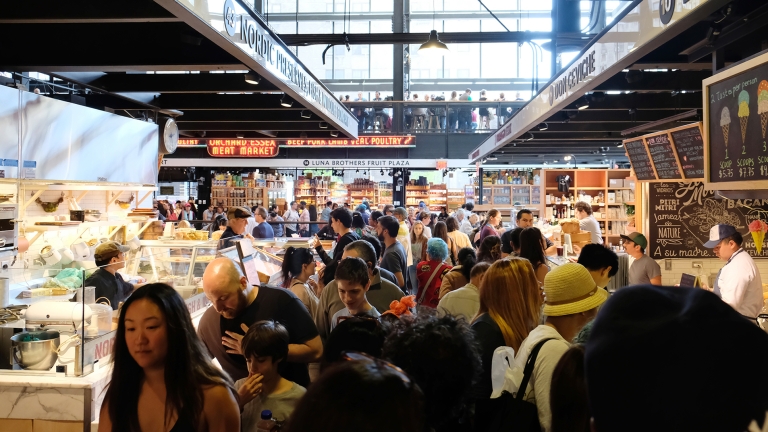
x=433, y=45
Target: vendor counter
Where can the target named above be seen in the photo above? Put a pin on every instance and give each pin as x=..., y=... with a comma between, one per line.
x=42, y=401
x=621, y=279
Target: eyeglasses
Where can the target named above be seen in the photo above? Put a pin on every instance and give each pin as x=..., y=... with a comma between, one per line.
x=380, y=364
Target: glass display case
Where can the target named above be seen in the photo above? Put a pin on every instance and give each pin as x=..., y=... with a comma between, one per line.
x=178, y=263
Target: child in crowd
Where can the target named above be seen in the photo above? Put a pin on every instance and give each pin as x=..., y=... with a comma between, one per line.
x=265, y=346
x=353, y=283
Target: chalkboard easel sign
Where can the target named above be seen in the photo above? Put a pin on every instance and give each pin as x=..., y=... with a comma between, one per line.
x=639, y=158
x=735, y=126
x=689, y=145
x=682, y=213
x=663, y=156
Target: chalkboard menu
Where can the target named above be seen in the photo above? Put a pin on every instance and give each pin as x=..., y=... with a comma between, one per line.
x=663, y=157
x=638, y=157
x=690, y=150
x=681, y=215
x=736, y=119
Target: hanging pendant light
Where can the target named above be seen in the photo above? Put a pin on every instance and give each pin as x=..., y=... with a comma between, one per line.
x=433, y=45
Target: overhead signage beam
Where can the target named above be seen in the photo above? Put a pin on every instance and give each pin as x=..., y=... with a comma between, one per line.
x=315, y=164
x=639, y=31
x=362, y=142
x=243, y=35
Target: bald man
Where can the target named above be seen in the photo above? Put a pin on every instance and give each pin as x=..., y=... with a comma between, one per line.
x=237, y=305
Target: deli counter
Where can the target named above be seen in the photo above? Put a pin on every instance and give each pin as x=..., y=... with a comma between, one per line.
x=73, y=371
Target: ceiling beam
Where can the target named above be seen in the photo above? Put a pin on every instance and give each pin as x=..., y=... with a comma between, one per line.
x=207, y=101
x=571, y=39
x=85, y=11
x=616, y=116
x=747, y=24
x=254, y=126
x=245, y=116
x=594, y=127
x=181, y=83
x=657, y=82
x=649, y=101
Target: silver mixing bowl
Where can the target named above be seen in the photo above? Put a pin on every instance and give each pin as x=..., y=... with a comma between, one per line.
x=36, y=355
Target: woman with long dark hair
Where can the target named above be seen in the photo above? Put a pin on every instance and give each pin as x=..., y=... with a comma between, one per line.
x=298, y=267
x=162, y=378
x=459, y=275
x=489, y=250
x=441, y=232
x=313, y=228
x=359, y=226
x=532, y=249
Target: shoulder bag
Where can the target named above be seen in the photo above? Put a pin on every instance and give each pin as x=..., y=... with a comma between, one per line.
x=516, y=414
x=429, y=282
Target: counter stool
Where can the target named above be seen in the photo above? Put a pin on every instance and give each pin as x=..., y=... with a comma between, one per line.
x=434, y=119
x=418, y=121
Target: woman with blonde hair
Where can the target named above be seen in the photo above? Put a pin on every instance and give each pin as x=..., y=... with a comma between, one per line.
x=510, y=307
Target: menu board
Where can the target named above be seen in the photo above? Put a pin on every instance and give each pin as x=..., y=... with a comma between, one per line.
x=736, y=120
x=681, y=215
x=663, y=157
x=690, y=150
x=638, y=157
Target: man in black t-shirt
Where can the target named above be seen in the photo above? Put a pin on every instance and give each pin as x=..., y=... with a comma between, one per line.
x=237, y=305
x=394, y=256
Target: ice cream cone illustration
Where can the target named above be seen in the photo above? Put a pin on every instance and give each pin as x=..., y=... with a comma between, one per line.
x=743, y=114
x=762, y=104
x=725, y=123
x=758, y=229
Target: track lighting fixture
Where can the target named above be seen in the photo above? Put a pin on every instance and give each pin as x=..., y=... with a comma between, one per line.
x=334, y=133
x=323, y=125
x=542, y=126
x=582, y=103
x=252, y=78
x=286, y=101
x=306, y=114
x=240, y=135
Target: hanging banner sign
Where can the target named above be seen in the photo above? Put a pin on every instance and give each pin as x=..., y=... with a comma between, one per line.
x=248, y=148
x=362, y=142
x=367, y=141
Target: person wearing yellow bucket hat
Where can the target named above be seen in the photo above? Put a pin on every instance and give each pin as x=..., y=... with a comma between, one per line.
x=572, y=299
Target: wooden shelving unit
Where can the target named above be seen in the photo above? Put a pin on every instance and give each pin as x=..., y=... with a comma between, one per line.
x=312, y=190
x=414, y=194
x=438, y=197
x=456, y=197
x=611, y=216
x=383, y=193
x=239, y=196
x=359, y=189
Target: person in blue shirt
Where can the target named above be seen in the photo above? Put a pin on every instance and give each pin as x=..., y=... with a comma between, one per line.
x=263, y=230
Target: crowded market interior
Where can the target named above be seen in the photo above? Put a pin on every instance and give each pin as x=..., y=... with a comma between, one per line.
x=426, y=216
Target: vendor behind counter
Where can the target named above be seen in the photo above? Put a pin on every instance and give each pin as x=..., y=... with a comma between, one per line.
x=110, y=257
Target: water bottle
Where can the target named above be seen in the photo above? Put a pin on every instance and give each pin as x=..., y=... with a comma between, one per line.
x=266, y=424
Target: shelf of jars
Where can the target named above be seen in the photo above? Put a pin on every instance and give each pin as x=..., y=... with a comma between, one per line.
x=360, y=189
x=456, y=198
x=438, y=197
x=384, y=193
x=416, y=193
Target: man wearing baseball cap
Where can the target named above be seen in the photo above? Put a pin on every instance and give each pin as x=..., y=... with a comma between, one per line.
x=236, y=226
x=110, y=257
x=644, y=270
x=572, y=299
x=738, y=283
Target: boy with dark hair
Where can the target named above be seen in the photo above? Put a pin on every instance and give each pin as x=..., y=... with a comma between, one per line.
x=353, y=282
x=602, y=263
x=265, y=346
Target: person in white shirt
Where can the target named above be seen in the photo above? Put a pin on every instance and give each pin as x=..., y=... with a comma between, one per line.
x=464, y=225
x=465, y=301
x=291, y=215
x=572, y=299
x=587, y=222
x=738, y=283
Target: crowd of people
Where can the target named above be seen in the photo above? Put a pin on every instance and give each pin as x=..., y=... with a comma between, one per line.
x=455, y=118
x=435, y=323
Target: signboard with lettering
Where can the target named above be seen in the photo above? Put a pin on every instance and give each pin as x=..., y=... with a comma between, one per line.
x=241, y=33
x=681, y=215
x=405, y=141
x=244, y=148
x=735, y=123
x=689, y=146
x=638, y=157
x=663, y=156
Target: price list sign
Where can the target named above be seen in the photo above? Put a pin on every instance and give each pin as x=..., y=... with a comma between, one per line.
x=736, y=117
x=638, y=157
x=690, y=150
x=663, y=157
